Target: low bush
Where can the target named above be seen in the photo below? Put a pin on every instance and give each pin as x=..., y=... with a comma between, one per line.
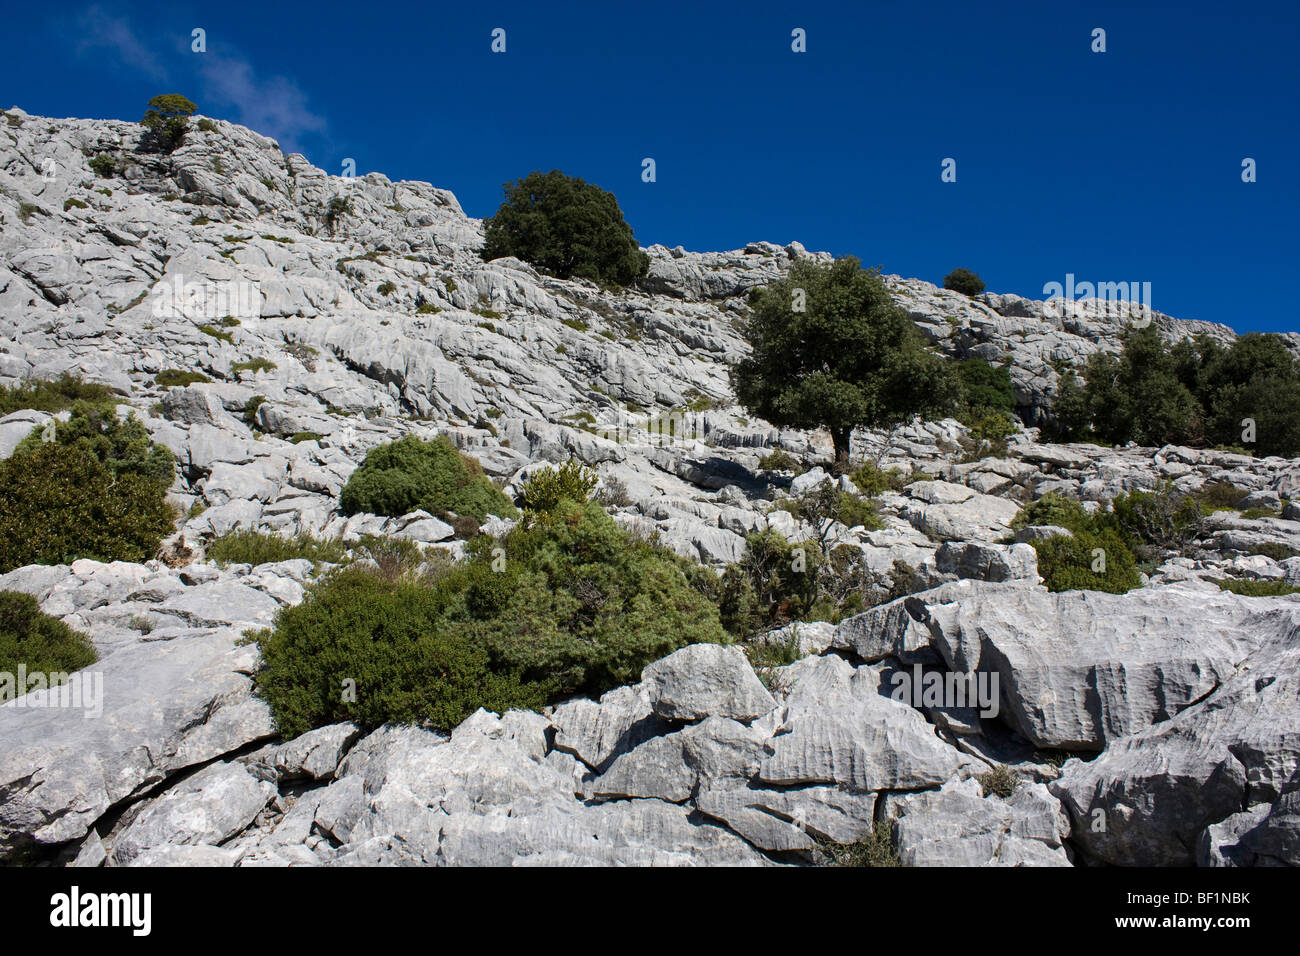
x=876, y=849
x=253, y=365
x=1089, y=561
x=52, y=395
x=1253, y=588
x=175, y=378
x=59, y=503
x=1219, y=496
x=1159, y=521
x=569, y=604
x=778, y=459
x=774, y=582
x=1275, y=550
x=873, y=480
x=37, y=642
x=548, y=486
x=410, y=474
x=257, y=547
x=1099, y=557
x=1001, y=781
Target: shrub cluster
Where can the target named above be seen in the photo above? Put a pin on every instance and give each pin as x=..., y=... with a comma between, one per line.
x=565, y=604
x=38, y=642
x=51, y=395
x=97, y=490
x=410, y=474
x=567, y=227
x=963, y=281
x=257, y=547
x=1098, y=557
x=549, y=486
x=1196, y=393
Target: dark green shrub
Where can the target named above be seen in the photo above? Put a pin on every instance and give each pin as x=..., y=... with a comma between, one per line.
x=1053, y=509
x=175, y=378
x=984, y=390
x=569, y=604
x=257, y=547
x=207, y=125
x=386, y=288
x=567, y=227
x=778, y=459
x=166, y=121
x=873, y=480
x=963, y=281
x=46, y=395
x=548, y=486
x=773, y=583
x=1219, y=496
x=37, y=642
x=122, y=445
x=1252, y=588
x=388, y=639
x=1067, y=564
x=59, y=503
x=410, y=474
x=103, y=165
x=1275, y=550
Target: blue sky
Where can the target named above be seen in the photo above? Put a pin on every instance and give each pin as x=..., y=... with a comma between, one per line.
x=1115, y=166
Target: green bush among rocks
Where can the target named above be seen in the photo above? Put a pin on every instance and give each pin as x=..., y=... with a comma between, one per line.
x=410, y=474
x=96, y=490
x=36, y=642
x=568, y=603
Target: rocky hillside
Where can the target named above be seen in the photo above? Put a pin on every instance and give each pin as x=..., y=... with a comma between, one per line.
x=326, y=328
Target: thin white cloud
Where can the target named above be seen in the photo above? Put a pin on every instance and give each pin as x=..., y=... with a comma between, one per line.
x=230, y=86
x=274, y=106
x=101, y=29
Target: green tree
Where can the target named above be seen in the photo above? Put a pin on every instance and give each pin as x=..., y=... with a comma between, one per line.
x=1138, y=397
x=964, y=281
x=830, y=347
x=566, y=227
x=167, y=120
x=1256, y=378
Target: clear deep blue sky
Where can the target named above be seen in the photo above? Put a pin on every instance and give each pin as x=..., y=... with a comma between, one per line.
x=1124, y=165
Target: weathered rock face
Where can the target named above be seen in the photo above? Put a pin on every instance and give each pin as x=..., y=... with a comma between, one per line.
x=1081, y=668
x=958, y=826
x=1178, y=692
x=1217, y=781
x=166, y=706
